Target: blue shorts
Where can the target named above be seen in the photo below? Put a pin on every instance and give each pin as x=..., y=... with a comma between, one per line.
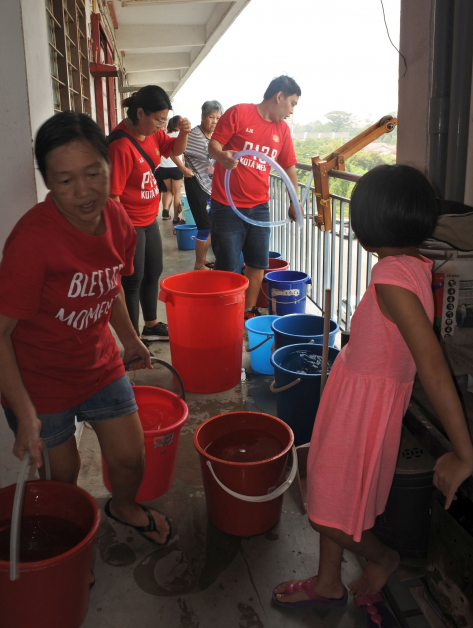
x=115, y=400
x=232, y=236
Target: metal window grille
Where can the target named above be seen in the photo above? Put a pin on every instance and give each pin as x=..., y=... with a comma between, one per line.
x=69, y=61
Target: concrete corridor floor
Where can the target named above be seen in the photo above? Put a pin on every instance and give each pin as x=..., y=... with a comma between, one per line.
x=205, y=578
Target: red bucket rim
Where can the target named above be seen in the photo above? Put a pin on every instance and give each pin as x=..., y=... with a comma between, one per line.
x=191, y=295
x=242, y=464
x=48, y=562
x=169, y=428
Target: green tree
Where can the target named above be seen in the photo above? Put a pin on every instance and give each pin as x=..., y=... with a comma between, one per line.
x=340, y=120
x=359, y=163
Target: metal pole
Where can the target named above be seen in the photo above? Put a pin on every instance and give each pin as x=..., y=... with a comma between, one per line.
x=462, y=55
x=327, y=308
x=440, y=99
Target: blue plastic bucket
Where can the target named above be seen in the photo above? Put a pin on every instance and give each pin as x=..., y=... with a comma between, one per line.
x=188, y=217
x=275, y=254
x=260, y=341
x=185, y=235
x=287, y=290
x=296, y=329
x=298, y=404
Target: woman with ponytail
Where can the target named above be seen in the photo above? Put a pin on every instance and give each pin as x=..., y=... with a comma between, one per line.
x=135, y=150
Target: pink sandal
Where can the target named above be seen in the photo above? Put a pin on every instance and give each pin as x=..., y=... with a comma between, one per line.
x=315, y=600
x=376, y=612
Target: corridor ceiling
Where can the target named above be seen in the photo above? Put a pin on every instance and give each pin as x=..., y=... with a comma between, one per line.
x=164, y=41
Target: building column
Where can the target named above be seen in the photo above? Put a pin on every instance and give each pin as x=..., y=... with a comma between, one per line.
x=414, y=88
x=25, y=103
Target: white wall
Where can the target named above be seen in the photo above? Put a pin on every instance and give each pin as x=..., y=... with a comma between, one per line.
x=17, y=178
x=37, y=72
x=25, y=102
x=414, y=89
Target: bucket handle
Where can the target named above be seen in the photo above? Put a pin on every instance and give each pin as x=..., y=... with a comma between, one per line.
x=248, y=350
x=181, y=392
x=18, y=502
x=283, y=388
x=261, y=498
x=166, y=297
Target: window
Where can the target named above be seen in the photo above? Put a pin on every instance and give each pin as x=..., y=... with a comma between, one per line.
x=104, y=72
x=68, y=49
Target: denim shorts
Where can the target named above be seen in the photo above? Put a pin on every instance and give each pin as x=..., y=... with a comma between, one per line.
x=115, y=400
x=232, y=236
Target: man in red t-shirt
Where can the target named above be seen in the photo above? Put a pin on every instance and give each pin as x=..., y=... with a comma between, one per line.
x=250, y=127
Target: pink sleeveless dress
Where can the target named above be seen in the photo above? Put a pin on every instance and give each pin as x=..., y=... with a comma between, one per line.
x=356, y=437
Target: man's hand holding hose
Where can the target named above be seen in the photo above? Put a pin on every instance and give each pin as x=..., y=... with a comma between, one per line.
x=292, y=174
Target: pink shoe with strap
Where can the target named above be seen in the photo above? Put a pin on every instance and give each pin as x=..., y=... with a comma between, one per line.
x=314, y=599
x=377, y=614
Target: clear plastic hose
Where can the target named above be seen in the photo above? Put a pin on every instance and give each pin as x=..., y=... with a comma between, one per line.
x=284, y=177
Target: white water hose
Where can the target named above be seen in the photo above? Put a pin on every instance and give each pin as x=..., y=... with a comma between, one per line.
x=284, y=177
x=257, y=499
x=15, y=530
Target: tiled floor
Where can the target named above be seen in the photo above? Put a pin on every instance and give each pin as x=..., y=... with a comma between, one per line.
x=205, y=579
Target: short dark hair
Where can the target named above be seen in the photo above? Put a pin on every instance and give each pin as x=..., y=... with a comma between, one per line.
x=172, y=124
x=64, y=128
x=284, y=84
x=150, y=98
x=393, y=206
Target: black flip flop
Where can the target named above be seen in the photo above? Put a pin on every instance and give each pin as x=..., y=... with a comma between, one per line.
x=210, y=265
x=151, y=527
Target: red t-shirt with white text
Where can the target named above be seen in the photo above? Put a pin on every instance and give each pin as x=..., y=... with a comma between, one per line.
x=61, y=285
x=242, y=128
x=131, y=178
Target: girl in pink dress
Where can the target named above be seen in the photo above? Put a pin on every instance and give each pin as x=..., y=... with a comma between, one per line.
x=356, y=437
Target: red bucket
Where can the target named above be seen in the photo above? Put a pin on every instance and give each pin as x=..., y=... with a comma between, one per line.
x=274, y=264
x=229, y=486
x=205, y=318
x=162, y=415
x=52, y=592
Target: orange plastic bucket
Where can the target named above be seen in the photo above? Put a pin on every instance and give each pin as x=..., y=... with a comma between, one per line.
x=274, y=264
x=245, y=498
x=205, y=318
x=162, y=415
x=52, y=592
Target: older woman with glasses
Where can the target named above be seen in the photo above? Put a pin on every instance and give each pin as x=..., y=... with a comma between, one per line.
x=135, y=149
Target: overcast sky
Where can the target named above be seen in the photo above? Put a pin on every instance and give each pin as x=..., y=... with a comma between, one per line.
x=337, y=50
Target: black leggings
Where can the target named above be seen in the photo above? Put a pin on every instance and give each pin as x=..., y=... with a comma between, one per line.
x=142, y=286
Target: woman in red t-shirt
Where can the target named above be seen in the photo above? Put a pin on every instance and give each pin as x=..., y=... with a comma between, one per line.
x=60, y=286
x=134, y=185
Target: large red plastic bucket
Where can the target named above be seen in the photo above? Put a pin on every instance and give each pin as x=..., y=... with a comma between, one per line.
x=228, y=485
x=205, y=318
x=274, y=264
x=162, y=415
x=53, y=592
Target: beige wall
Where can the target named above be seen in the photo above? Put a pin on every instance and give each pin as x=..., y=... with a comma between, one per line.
x=414, y=88
x=25, y=102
